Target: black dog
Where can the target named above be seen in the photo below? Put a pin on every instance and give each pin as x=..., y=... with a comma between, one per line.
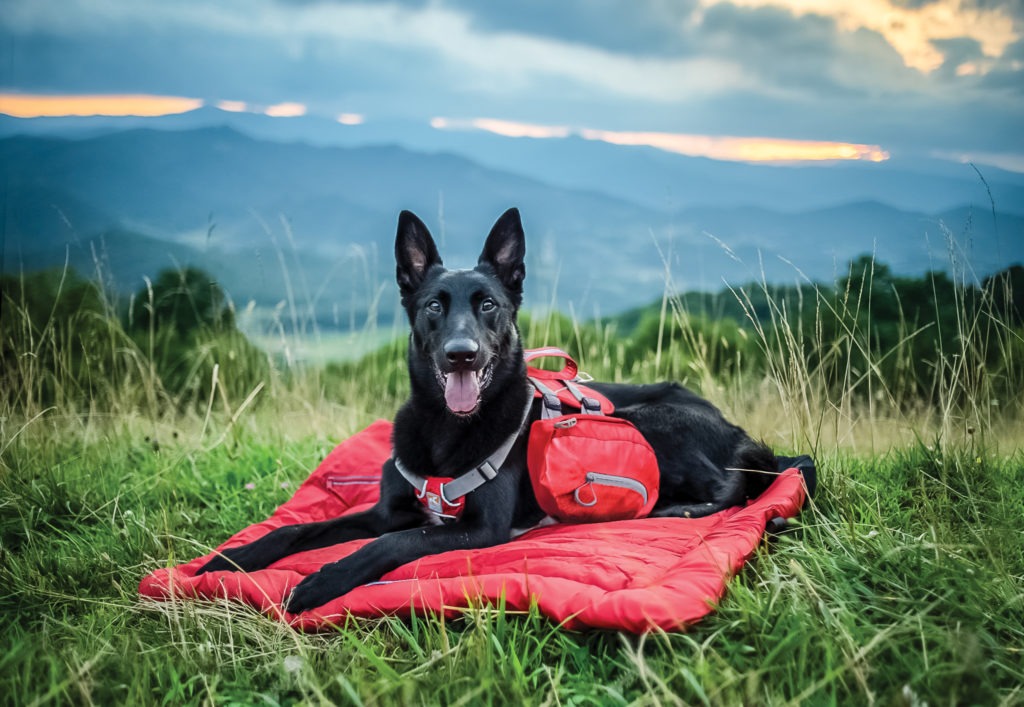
x=469, y=394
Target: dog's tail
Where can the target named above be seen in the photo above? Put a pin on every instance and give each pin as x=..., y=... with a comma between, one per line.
x=753, y=469
x=758, y=464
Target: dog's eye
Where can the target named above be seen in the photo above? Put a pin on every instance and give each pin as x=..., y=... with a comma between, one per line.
x=488, y=305
x=434, y=306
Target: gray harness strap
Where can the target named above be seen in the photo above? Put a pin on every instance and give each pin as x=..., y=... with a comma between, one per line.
x=475, y=477
x=553, y=406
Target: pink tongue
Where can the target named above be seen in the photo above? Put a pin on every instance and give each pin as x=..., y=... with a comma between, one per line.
x=462, y=391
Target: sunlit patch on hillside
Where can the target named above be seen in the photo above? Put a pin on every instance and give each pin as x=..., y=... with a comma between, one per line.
x=37, y=106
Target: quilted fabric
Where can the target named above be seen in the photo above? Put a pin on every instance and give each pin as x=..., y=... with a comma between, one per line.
x=631, y=575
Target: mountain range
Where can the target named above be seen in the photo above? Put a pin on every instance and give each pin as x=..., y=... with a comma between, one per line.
x=301, y=213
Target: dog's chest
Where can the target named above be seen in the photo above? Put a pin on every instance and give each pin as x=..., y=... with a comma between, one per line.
x=438, y=449
x=452, y=456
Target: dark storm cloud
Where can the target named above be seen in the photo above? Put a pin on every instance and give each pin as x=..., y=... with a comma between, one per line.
x=773, y=42
x=200, y=58
x=202, y=64
x=639, y=27
x=1005, y=79
x=955, y=53
x=411, y=4
x=805, y=54
x=642, y=65
x=133, y=62
x=1012, y=7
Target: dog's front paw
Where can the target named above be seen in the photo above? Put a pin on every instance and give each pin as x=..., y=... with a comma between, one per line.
x=319, y=588
x=313, y=591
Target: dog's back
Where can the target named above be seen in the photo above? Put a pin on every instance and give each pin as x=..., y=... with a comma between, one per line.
x=706, y=463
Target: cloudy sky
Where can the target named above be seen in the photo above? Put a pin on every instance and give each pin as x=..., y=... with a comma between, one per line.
x=736, y=79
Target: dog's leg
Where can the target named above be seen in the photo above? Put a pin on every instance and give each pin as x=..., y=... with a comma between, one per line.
x=690, y=510
x=290, y=539
x=486, y=521
x=396, y=509
x=386, y=553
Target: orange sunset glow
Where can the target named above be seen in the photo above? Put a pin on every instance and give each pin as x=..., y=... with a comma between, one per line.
x=507, y=128
x=351, y=119
x=912, y=30
x=285, y=110
x=743, y=149
x=22, y=105
x=35, y=106
x=233, y=106
x=735, y=149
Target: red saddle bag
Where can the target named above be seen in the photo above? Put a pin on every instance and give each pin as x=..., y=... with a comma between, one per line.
x=586, y=466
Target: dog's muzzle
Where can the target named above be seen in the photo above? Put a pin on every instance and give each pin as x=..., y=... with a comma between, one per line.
x=462, y=389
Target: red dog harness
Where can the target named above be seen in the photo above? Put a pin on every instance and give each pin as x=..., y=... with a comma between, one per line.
x=584, y=465
x=444, y=497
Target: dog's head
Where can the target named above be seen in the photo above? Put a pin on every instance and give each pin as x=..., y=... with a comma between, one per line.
x=464, y=334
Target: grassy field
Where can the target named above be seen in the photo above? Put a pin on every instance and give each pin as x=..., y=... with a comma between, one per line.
x=901, y=584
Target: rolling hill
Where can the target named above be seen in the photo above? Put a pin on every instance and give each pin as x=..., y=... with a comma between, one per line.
x=314, y=224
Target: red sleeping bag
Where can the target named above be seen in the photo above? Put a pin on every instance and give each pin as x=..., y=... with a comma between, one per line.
x=631, y=575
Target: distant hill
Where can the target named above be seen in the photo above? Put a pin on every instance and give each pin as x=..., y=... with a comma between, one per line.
x=311, y=225
x=655, y=179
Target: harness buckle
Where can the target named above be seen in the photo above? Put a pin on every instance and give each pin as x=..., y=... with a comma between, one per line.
x=487, y=470
x=552, y=403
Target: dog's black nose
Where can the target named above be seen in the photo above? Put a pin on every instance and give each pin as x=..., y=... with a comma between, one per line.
x=461, y=352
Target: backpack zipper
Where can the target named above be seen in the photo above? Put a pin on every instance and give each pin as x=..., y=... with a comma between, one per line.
x=622, y=482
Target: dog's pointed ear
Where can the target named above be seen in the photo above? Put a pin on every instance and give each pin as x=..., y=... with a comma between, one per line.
x=415, y=253
x=505, y=250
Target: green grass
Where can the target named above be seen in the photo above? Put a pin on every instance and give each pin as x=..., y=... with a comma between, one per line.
x=902, y=583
